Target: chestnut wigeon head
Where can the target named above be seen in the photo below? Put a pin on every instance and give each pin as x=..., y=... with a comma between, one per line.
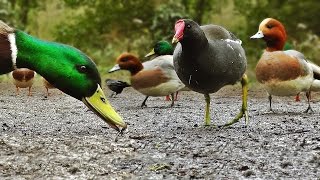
x=127, y=61
x=273, y=33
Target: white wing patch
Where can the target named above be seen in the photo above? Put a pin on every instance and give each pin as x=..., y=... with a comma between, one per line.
x=14, y=50
x=230, y=46
x=230, y=40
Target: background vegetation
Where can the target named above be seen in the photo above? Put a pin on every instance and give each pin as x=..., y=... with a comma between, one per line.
x=105, y=28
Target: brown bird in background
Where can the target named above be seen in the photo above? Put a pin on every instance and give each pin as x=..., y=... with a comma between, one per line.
x=23, y=78
x=47, y=85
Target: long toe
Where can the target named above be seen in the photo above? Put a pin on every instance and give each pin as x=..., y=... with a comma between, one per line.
x=172, y=103
x=237, y=118
x=309, y=109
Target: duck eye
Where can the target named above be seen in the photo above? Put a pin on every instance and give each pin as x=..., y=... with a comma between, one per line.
x=188, y=26
x=125, y=59
x=269, y=26
x=82, y=68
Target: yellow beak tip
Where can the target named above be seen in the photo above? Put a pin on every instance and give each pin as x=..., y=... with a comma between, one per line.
x=104, y=110
x=150, y=53
x=175, y=40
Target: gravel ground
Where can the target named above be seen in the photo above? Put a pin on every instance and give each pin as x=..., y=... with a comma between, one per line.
x=57, y=137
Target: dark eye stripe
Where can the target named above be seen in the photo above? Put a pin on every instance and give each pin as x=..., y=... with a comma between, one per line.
x=269, y=26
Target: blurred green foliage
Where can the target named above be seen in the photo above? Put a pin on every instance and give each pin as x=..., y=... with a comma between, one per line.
x=106, y=28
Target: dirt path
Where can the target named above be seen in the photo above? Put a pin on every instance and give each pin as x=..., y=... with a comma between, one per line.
x=57, y=137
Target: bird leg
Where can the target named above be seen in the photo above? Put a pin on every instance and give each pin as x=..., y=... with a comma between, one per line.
x=244, y=108
x=308, y=94
x=30, y=94
x=207, y=116
x=172, y=100
x=270, y=98
x=48, y=94
x=144, y=102
x=17, y=90
x=176, y=98
x=298, y=97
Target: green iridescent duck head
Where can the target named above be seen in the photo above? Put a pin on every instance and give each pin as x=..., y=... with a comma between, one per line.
x=65, y=67
x=161, y=48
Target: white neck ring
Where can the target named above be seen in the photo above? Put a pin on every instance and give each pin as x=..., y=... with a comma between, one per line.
x=14, y=50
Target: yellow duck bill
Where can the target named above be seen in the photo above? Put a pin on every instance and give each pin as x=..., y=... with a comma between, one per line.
x=175, y=40
x=99, y=104
x=150, y=53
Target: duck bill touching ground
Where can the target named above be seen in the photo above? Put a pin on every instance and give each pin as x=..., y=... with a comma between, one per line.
x=99, y=104
x=284, y=72
x=208, y=58
x=65, y=67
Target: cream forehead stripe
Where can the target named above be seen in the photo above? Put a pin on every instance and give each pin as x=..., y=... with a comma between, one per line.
x=13, y=47
x=263, y=23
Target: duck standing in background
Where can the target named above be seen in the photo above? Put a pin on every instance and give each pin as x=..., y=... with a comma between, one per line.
x=284, y=73
x=154, y=78
x=208, y=58
x=164, y=48
x=160, y=48
x=116, y=86
x=23, y=78
x=65, y=67
x=47, y=85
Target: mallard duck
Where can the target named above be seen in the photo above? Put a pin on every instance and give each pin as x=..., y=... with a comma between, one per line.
x=23, y=78
x=284, y=73
x=154, y=78
x=65, y=67
x=161, y=48
x=208, y=58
